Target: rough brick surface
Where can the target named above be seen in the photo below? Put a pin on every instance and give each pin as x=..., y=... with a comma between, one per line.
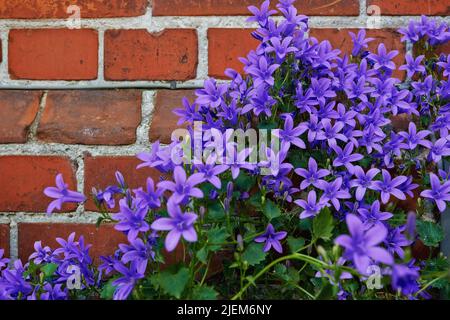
x=139, y=55
x=4, y=238
x=24, y=179
x=164, y=121
x=43, y=9
x=101, y=117
x=226, y=46
x=18, y=110
x=340, y=39
x=53, y=54
x=99, y=172
x=239, y=7
x=104, y=240
x=412, y=7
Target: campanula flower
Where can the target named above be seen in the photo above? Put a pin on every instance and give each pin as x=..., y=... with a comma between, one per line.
x=178, y=224
x=396, y=240
x=363, y=181
x=272, y=239
x=440, y=193
x=131, y=221
x=290, y=134
x=62, y=195
x=360, y=42
x=373, y=216
x=332, y=191
x=127, y=281
x=183, y=187
x=389, y=186
x=346, y=157
x=383, y=59
x=414, y=138
x=149, y=198
x=413, y=65
x=362, y=246
x=311, y=207
x=313, y=176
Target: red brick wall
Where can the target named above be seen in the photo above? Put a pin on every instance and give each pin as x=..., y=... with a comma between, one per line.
x=83, y=101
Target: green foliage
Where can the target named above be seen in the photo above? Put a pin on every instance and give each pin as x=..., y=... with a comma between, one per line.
x=254, y=254
x=295, y=244
x=171, y=281
x=271, y=210
x=204, y=293
x=323, y=225
x=430, y=233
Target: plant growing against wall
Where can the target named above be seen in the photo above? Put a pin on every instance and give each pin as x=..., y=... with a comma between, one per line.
x=334, y=212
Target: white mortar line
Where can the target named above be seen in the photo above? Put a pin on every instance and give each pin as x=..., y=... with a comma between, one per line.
x=34, y=126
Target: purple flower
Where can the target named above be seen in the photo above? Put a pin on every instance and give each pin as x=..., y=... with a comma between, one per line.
x=414, y=138
x=272, y=239
x=405, y=279
x=183, y=187
x=446, y=66
x=361, y=246
x=363, y=181
x=413, y=65
x=331, y=132
x=41, y=254
x=262, y=73
x=281, y=47
x=383, y=58
x=439, y=193
x=211, y=95
x=261, y=15
x=3, y=261
x=439, y=149
x=13, y=282
x=55, y=292
x=321, y=89
x=332, y=192
x=346, y=157
x=290, y=134
x=359, y=42
x=131, y=221
x=395, y=240
x=211, y=171
x=62, y=195
x=189, y=114
x=373, y=216
x=126, y=283
x=312, y=175
x=311, y=207
x=178, y=224
x=149, y=198
x=390, y=186
x=139, y=252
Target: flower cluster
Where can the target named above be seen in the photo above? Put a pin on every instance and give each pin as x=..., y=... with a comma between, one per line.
x=337, y=185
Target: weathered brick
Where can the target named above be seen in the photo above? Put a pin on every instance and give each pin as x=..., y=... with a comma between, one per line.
x=226, y=46
x=104, y=240
x=99, y=172
x=164, y=121
x=47, y=9
x=239, y=7
x=412, y=7
x=53, y=54
x=340, y=39
x=24, y=179
x=139, y=55
x=100, y=117
x=18, y=110
x=4, y=238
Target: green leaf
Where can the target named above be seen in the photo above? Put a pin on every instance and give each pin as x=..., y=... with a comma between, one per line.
x=245, y=182
x=216, y=211
x=204, y=293
x=108, y=290
x=49, y=269
x=434, y=266
x=323, y=225
x=202, y=255
x=216, y=237
x=271, y=210
x=173, y=283
x=295, y=244
x=430, y=233
x=256, y=200
x=254, y=254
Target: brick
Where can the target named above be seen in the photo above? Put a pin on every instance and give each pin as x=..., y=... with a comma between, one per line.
x=24, y=179
x=412, y=7
x=104, y=240
x=98, y=117
x=340, y=39
x=171, y=54
x=99, y=172
x=53, y=54
x=226, y=46
x=164, y=121
x=239, y=7
x=18, y=110
x=4, y=239
x=48, y=9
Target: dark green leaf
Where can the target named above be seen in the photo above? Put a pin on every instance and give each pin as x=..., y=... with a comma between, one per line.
x=323, y=225
x=216, y=238
x=216, y=211
x=173, y=283
x=295, y=244
x=271, y=210
x=254, y=254
x=108, y=290
x=204, y=293
x=430, y=233
x=49, y=269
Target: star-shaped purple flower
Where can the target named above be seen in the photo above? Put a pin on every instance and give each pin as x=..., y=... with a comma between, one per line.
x=272, y=239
